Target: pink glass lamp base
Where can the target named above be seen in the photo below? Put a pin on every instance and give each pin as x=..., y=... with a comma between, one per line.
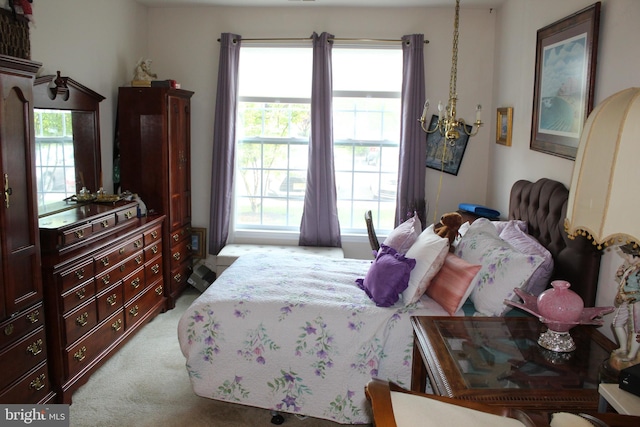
x=557, y=341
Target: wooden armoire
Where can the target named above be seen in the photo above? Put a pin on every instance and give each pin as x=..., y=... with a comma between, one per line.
x=24, y=377
x=154, y=132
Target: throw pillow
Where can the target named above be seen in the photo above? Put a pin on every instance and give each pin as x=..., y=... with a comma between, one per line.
x=527, y=244
x=387, y=277
x=429, y=251
x=404, y=236
x=503, y=267
x=452, y=285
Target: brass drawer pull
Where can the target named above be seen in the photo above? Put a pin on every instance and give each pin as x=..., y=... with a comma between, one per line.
x=106, y=279
x=37, y=383
x=80, y=354
x=159, y=290
x=121, y=251
x=137, y=244
x=176, y=237
x=128, y=214
x=82, y=319
x=154, y=234
x=79, y=234
x=81, y=293
x=35, y=348
x=112, y=300
x=135, y=283
x=123, y=267
x=117, y=325
x=105, y=224
x=176, y=256
x=155, y=269
x=154, y=249
x=139, y=260
x=80, y=274
x=8, y=330
x=134, y=310
x=34, y=316
x=105, y=261
x=177, y=278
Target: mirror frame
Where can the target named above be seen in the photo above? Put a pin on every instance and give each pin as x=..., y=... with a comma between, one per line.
x=54, y=92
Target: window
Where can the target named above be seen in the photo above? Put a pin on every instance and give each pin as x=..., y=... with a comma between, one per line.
x=273, y=136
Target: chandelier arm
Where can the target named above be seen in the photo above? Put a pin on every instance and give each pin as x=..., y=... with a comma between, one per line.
x=438, y=126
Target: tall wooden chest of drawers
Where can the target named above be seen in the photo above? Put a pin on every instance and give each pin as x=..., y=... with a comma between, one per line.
x=103, y=280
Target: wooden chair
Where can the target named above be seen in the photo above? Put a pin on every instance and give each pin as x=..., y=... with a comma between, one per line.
x=373, y=239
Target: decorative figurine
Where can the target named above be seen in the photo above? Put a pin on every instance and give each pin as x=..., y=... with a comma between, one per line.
x=143, y=71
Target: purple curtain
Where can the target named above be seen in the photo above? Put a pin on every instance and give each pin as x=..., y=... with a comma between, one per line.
x=224, y=135
x=320, y=225
x=413, y=147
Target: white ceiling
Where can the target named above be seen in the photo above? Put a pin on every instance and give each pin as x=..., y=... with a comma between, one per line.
x=356, y=3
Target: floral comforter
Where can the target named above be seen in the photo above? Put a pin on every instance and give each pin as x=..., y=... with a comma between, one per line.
x=294, y=333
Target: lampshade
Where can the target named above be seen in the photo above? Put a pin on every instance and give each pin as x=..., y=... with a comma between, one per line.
x=604, y=202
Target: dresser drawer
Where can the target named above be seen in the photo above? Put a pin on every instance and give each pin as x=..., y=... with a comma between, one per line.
x=32, y=388
x=153, y=269
x=109, y=301
x=76, y=234
x=179, y=276
x=80, y=321
x=119, y=271
x=74, y=276
x=133, y=284
x=180, y=252
x=21, y=324
x=180, y=234
x=153, y=235
x=88, y=348
x=125, y=215
x=78, y=295
x=115, y=255
x=103, y=224
x=152, y=250
x=23, y=356
x=135, y=310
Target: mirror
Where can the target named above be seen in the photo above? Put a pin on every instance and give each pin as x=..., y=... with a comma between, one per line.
x=67, y=141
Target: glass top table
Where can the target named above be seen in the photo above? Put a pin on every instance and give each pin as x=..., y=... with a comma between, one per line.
x=498, y=360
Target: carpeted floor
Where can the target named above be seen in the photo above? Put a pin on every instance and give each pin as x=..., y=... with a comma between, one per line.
x=146, y=384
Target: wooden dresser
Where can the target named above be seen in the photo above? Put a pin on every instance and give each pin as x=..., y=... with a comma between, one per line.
x=103, y=280
x=154, y=127
x=24, y=376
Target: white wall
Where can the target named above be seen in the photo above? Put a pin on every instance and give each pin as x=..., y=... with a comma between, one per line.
x=96, y=43
x=617, y=69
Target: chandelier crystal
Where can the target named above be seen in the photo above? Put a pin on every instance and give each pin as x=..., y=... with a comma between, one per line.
x=448, y=124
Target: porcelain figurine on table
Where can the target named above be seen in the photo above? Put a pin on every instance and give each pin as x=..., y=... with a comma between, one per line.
x=626, y=321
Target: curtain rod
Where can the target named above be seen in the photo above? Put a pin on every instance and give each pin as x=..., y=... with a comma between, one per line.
x=334, y=39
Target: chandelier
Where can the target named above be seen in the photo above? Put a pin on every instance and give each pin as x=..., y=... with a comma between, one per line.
x=448, y=124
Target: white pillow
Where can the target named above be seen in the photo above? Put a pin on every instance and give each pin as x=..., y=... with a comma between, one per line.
x=429, y=251
x=503, y=267
x=527, y=244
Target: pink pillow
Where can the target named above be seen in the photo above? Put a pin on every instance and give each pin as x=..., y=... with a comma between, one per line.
x=452, y=285
x=404, y=236
x=387, y=277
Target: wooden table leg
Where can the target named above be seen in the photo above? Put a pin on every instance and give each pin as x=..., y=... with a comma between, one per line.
x=418, y=369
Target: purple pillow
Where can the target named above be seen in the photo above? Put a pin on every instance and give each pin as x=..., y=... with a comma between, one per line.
x=387, y=277
x=404, y=236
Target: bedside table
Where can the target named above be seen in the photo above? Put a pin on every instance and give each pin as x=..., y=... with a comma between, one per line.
x=620, y=400
x=497, y=360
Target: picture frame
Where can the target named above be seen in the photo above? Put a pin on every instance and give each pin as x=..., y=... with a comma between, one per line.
x=563, y=94
x=504, y=125
x=442, y=156
x=199, y=242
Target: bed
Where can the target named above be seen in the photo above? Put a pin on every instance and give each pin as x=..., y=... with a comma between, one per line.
x=301, y=334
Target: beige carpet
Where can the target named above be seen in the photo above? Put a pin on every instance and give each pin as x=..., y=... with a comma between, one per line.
x=146, y=384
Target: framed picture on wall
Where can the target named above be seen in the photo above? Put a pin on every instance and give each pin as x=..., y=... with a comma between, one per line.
x=566, y=53
x=442, y=155
x=504, y=123
x=199, y=242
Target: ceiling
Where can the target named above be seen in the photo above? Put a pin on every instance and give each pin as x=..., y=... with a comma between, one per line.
x=343, y=3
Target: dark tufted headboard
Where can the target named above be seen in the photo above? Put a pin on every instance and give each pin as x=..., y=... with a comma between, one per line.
x=543, y=205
